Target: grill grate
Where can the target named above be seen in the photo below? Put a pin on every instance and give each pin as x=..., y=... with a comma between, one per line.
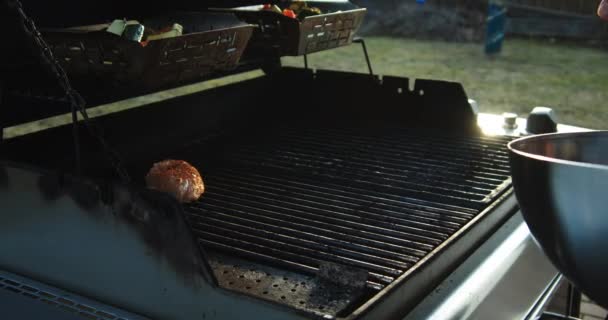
x=378, y=200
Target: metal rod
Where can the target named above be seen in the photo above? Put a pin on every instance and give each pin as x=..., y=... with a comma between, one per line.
x=574, y=301
x=76, y=139
x=369, y=64
x=348, y=195
x=305, y=61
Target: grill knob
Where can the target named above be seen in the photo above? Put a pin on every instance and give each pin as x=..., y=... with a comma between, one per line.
x=510, y=120
x=542, y=120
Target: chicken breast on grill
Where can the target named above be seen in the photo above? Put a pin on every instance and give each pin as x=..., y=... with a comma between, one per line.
x=178, y=178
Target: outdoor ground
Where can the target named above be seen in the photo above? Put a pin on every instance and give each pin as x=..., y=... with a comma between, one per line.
x=571, y=79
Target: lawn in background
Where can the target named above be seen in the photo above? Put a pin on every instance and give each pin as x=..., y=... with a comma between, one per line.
x=571, y=79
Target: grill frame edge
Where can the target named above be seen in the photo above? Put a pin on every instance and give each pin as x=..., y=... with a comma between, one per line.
x=397, y=299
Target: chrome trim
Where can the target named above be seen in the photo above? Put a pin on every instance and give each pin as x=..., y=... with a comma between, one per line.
x=503, y=279
x=542, y=303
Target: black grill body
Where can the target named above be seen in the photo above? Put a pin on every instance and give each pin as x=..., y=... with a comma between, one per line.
x=329, y=194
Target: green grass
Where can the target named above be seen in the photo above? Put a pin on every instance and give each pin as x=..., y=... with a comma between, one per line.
x=572, y=80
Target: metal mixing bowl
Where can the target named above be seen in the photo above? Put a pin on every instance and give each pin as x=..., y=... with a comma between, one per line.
x=561, y=183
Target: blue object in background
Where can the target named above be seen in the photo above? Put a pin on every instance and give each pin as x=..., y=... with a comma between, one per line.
x=495, y=36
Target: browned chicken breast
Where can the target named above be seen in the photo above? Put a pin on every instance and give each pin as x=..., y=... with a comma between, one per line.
x=178, y=178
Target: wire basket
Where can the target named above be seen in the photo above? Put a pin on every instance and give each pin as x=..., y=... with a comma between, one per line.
x=282, y=35
x=100, y=61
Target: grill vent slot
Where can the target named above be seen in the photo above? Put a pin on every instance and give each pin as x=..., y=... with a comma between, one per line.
x=59, y=299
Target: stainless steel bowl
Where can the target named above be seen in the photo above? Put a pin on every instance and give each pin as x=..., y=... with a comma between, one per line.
x=561, y=183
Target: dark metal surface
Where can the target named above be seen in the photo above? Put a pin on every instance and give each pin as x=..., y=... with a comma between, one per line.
x=554, y=316
x=574, y=301
x=307, y=294
x=101, y=65
x=153, y=217
x=364, y=47
x=322, y=179
x=67, y=305
x=561, y=181
x=545, y=301
x=507, y=277
x=116, y=248
x=15, y=306
x=37, y=46
x=379, y=200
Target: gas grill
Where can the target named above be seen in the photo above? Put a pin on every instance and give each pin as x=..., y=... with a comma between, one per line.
x=328, y=195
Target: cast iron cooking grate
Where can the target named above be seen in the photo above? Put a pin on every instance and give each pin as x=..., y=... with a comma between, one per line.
x=375, y=199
